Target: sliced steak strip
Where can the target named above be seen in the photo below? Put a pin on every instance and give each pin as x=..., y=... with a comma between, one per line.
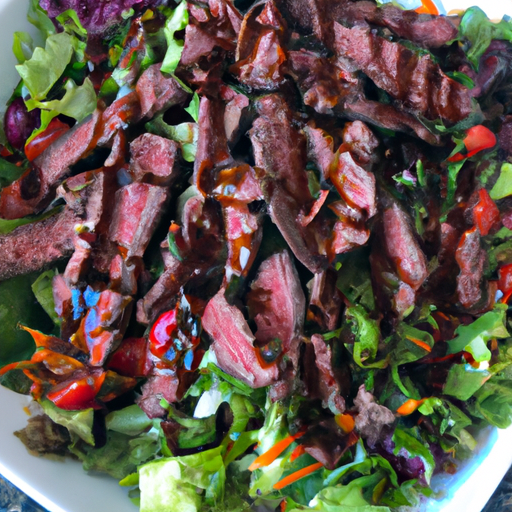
x=163, y=385
x=471, y=258
x=389, y=117
x=154, y=159
x=157, y=92
x=280, y=151
x=34, y=246
x=233, y=343
x=138, y=209
x=319, y=376
x=277, y=304
x=35, y=189
x=402, y=247
x=415, y=80
x=425, y=30
x=325, y=300
x=212, y=144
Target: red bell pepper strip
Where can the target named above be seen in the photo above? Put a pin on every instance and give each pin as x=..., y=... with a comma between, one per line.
x=76, y=394
x=44, y=139
x=485, y=213
x=505, y=282
x=477, y=139
x=131, y=358
x=160, y=336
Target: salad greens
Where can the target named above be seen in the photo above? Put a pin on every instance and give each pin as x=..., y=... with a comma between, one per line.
x=326, y=323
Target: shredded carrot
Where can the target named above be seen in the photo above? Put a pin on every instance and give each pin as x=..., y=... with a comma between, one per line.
x=506, y=297
x=422, y=344
x=297, y=452
x=10, y=366
x=427, y=7
x=272, y=453
x=442, y=315
x=283, y=505
x=287, y=480
x=409, y=406
x=345, y=422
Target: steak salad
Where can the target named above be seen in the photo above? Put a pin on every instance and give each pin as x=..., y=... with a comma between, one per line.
x=259, y=253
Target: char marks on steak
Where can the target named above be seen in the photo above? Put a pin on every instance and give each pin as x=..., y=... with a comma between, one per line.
x=425, y=30
x=416, y=81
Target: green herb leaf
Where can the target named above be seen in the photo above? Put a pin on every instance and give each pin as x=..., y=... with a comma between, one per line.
x=176, y=22
x=42, y=288
x=9, y=172
x=193, y=107
x=473, y=338
x=131, y=420
x=464, y=381
x=479, y=31
x=8, y=225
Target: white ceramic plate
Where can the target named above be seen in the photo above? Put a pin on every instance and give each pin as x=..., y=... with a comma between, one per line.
x=63, y=486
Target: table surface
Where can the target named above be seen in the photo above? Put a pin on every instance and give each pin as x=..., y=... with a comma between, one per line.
x=13, y=500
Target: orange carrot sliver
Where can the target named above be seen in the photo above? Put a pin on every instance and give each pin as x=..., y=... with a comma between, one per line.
x=409, y=406
x=422, y=344
x=287, y=480
x=297, y=452
x=427, y=7
x=10, y=366
x=272, y=453
x=345, y=422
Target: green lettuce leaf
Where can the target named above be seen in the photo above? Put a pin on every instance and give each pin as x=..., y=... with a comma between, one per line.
x=119, y=456
x=18, y=305
x=43, y=292
x=406, y=351
x=367, y=336
x=464, y=381
x=131, y=420
x=193, y=107
x=473, y=338
x=182, y=484
x=9, y=172
x=176, y=22
x=39, y=18
x=22, y=46
x=408, y=445
x=8, y=225
x=185, y=134
x=79, y=423
x=479, y=31
x=46, y=66
x=78, y=102
x=344, y=498
x=503, y=186
x=493, y=401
